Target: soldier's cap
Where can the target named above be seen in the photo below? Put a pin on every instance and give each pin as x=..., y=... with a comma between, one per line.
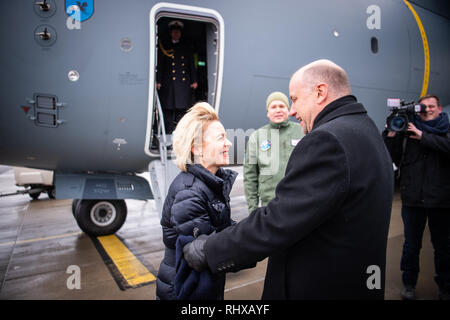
x=277, y=95
x=176, y=24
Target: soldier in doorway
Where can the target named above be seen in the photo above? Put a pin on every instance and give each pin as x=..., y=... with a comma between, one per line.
x=176, y=76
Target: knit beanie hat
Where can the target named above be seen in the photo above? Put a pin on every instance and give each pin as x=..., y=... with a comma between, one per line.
x=277, y=95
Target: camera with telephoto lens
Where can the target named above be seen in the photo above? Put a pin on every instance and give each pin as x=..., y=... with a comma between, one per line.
x=402, y=113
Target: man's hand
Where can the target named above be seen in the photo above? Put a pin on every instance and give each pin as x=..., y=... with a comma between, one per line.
x=417, y=133
x=158, y=86
x=194, y=253
x=194, y=85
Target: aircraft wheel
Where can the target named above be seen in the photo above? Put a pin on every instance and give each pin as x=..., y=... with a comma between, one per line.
x=74, y=205
x=100, y=217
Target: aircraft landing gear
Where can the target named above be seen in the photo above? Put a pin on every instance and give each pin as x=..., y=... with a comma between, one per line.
x=99, y=217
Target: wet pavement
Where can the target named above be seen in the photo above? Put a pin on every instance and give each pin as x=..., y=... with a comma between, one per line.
x=40, y=242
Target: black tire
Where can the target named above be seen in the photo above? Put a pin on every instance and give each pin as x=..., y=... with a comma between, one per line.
x=74, y=205
x=100, y=217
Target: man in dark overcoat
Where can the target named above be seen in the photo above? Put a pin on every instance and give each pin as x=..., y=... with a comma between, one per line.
x=176, y=76
x=326, y=231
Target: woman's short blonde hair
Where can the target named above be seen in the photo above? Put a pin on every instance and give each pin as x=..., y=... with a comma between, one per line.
x=189, y=132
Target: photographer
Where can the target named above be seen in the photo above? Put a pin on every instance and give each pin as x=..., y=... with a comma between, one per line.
x=423, y=157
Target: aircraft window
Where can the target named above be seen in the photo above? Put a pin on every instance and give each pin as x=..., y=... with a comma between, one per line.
x=374, y=45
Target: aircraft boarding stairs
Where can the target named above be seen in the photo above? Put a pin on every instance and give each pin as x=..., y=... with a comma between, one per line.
x=163, y=170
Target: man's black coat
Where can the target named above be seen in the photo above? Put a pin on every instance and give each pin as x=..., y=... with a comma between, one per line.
x=326, y=230
x=424, y=169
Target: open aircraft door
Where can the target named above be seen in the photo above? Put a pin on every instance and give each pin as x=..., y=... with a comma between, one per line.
x=207, y=31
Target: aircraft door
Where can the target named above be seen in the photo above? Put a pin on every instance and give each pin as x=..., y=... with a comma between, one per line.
x=203, y=33
x=212, y=46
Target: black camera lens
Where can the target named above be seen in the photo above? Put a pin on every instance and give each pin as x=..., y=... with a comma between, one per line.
x=398, y=123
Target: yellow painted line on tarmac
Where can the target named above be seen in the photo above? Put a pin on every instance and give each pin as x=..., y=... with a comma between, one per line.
x=131, y=269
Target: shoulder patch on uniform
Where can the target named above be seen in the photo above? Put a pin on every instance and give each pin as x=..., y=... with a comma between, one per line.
x=265, y=145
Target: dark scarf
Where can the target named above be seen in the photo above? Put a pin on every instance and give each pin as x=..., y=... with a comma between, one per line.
x=439, y=125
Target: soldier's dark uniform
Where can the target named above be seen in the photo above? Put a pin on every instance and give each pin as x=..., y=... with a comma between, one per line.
x=176, y=73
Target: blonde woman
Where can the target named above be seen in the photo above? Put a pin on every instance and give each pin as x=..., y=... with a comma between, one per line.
x=198, y=200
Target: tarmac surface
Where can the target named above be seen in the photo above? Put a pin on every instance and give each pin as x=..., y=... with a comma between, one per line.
x=40, y=244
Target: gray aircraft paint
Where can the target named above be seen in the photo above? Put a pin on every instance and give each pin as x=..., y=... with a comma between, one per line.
x=104, y=113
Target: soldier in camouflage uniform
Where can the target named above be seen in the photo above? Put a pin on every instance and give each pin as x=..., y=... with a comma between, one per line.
x=268, y=151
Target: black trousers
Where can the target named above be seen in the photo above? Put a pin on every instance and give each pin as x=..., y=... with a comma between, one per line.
x=414, y=220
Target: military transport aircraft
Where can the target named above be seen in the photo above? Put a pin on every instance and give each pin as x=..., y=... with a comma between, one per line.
x=78, y=92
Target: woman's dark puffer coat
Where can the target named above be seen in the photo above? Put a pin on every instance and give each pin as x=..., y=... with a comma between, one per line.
x=197, y=199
